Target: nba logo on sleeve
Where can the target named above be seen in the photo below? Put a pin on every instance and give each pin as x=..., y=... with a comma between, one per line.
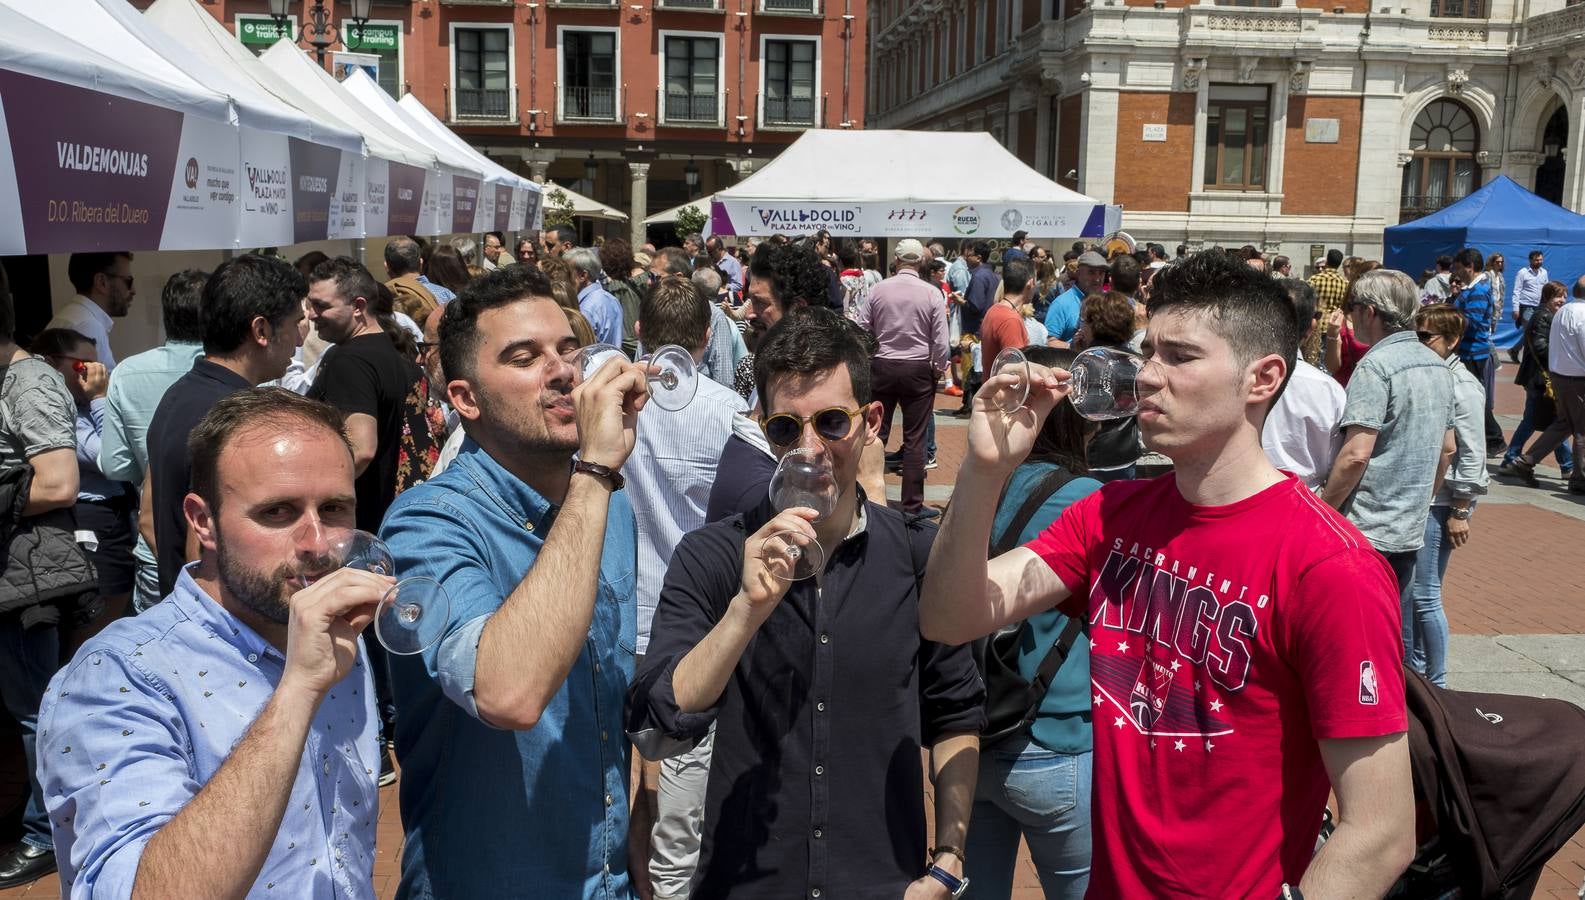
x=1367, y=683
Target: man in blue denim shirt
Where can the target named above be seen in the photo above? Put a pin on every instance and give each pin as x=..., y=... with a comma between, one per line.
x=510, y=728
x=223, y=742
x=1397, y=424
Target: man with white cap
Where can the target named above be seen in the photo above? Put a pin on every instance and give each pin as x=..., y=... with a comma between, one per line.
x=909, y=321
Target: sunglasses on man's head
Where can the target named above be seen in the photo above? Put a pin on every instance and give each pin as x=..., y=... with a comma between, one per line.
x=832, y=425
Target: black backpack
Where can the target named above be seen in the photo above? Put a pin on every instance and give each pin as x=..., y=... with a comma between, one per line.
x=1012, y=701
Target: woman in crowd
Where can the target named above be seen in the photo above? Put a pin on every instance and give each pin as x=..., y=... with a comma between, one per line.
x=1107, y=320
x=446, y=268
x=1035, y=785
x=1439, y=326
x=1343, y=351
x=563, y=288
x=1540, y=410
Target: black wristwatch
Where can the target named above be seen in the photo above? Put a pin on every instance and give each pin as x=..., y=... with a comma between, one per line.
x=611, y=476
x=1290, y=892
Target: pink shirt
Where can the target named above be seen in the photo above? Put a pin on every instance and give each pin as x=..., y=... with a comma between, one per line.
x=906, y=315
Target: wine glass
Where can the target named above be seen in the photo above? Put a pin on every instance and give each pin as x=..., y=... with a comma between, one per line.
x=412, y=615
x=1012, y=361
x=803, y=479
x=1108, y=383
x=1103, y=382
x=673, y=378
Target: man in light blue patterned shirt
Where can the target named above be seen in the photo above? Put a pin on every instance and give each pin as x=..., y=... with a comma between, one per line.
x=223, y=743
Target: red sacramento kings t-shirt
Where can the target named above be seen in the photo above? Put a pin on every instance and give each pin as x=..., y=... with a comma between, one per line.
x=1224, y=641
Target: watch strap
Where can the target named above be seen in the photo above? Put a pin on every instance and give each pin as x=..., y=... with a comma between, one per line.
x=951, y=882
x=608, y=474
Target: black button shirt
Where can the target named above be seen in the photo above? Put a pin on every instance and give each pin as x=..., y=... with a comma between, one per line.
x=184, y=405
x=815, y=782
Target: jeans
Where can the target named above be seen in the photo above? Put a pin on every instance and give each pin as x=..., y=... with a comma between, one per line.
x=1027, y=791
x=1526, y=428
x=28, y=660
x=1403, y=569
x=1425, y=623
x=1485, y=371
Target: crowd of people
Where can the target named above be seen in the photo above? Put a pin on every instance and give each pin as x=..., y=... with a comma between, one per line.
x=196, y=679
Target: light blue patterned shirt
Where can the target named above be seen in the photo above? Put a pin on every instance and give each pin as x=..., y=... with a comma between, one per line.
x=145, y=714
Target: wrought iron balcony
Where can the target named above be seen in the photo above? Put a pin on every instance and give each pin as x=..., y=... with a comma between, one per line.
x=590, y=104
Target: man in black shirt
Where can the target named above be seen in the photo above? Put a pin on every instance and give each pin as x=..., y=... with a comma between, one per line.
x=820, y=690
x=383, y=393
x=250, y=311
x=390, y=419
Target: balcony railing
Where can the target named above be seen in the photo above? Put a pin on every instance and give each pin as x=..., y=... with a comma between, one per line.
x=808, y=7
x=484, y=104
x=789, y=111
x=1412, y=207
x=590, y=104
x=691, y=108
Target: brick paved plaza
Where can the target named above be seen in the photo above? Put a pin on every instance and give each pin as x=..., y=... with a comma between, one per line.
x=1511, y=597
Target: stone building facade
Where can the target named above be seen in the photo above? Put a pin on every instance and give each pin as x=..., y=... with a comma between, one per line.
x=1291, y=125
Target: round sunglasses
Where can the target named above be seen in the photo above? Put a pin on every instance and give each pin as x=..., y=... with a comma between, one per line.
x=832, y=425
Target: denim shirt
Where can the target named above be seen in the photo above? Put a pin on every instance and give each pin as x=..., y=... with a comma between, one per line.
x=491, y=812
x=1405, y=392
x=148, y=710
x=1466, y=476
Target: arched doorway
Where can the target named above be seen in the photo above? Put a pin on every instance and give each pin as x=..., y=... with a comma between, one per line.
x=1554, y=149
x=1442, y=171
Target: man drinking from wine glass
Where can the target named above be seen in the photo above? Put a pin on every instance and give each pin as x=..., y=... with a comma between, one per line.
x=821, y=690
x=1245, y=653
x=509, y=732
x=224, y=742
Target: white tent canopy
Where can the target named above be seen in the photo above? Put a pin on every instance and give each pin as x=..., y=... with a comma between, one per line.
x=116, y=137
x=432, y=189
x=583, y=206
x=429, y=124
x=668, y=216
x=904, y=184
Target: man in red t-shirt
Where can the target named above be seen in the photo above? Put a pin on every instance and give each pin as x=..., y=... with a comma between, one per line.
x=1003, y=325
x=1244, y=639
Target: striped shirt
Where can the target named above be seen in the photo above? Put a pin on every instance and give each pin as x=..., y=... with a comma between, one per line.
x=669, y=474
x=1474, y=302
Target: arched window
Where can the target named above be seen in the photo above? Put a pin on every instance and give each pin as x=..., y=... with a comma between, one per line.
x=1444, y=139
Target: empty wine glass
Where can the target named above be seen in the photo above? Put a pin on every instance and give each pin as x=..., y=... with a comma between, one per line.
x=412, y=615
x=673, y=378
x=803, y=479
x=1108, y=383
x=1012, y=361
x=1103, y=382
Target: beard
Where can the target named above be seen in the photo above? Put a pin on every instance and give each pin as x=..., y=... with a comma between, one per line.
x=265, y=594
x=518, y=422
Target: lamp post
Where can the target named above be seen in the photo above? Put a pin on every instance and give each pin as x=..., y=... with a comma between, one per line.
x=690, y=176
x=317, y=27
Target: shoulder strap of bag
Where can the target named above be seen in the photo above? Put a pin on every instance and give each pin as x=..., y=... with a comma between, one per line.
x=1049, y=484
x=1052, y=482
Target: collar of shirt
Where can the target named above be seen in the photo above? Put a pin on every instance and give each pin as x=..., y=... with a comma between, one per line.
x=98, y=315
x=207, y=613
x=512, y=494
x=203, y=367
x=590, y=288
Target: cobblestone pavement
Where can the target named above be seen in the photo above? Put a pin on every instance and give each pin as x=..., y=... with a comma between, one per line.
x=1512, y=597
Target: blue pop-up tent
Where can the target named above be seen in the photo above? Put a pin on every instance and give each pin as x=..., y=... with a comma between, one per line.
x=1501, y=217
